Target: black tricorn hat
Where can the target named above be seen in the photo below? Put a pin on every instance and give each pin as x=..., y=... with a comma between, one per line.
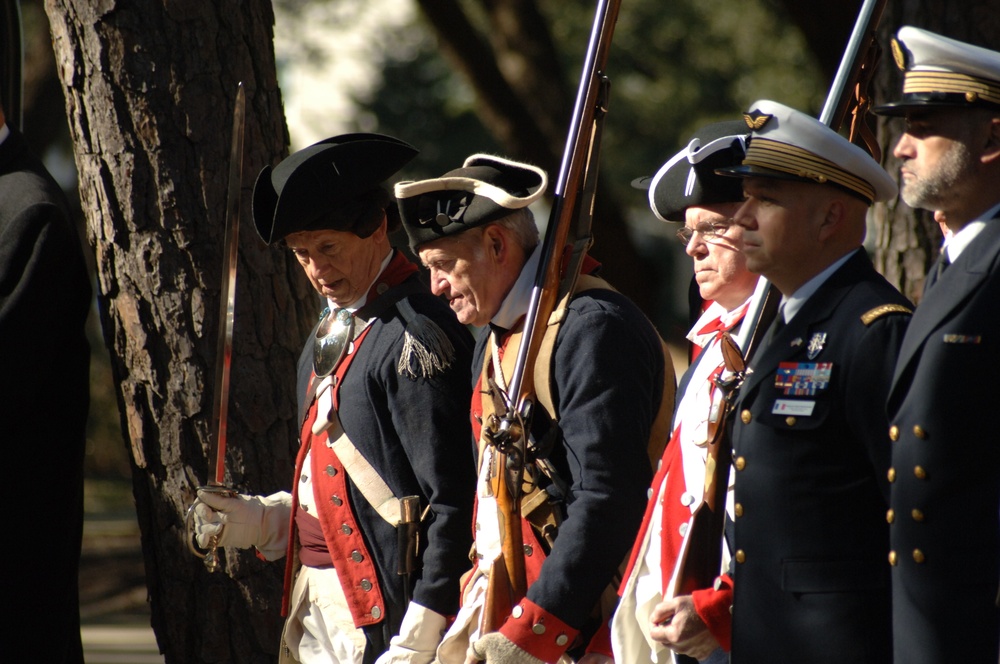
x=333, y=184
x=485, y=189
x=689, y=178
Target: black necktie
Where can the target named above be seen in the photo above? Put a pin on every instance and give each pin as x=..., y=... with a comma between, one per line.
x=777, y=324
x=940, y=265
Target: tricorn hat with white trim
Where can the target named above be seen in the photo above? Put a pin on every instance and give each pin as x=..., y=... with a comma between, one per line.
x=942, y=72
x=790, y=145
x=485, y=189
x=335, y=184
x=689, y=178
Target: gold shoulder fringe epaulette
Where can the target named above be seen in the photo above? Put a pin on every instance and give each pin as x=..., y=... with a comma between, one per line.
x=873, y=315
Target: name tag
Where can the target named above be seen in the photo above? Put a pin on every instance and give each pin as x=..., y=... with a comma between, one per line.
x=796, y=407
x=963, y=339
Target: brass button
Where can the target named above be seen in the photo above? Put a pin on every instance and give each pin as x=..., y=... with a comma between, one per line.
x=746, y=416
x=376, y=612
x=919, y=472
x=336, y=500
x=528, y=550
x=366, y=585
x=738, y=509
x=304, y=478
x=918, y=556
x=971, y=97
x=346, y=529
x=562, y=640
x=790, y=420
x=740, y=556
x=741, y=463
x=892, y=558
x=919, y=432
x=683, y=529
x=917, y=515
x=331, y=471
x=518, y=611
x=890, y=516
x=538, y=628
x=356, y=556
x=382, y=288
x=687, y=499
x=892, y=474
x=893, y=433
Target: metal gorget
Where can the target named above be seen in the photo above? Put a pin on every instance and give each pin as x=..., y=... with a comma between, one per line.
x=333, y=337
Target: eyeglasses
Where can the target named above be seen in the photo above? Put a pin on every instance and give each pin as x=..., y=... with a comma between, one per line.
x=707, y=229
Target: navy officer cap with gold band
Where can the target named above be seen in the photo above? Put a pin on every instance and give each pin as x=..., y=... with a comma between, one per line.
x=689, y=178
x=790, y=145
x=485, y=189
x=335, y=184
x=942, y=72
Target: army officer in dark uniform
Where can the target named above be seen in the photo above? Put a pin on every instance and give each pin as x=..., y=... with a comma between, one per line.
x=946, y=461
x=810, y=446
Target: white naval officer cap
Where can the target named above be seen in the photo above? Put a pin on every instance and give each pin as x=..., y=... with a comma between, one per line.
x=942, y=72
x=790, y=145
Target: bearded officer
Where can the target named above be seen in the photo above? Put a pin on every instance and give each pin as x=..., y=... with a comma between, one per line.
x=649, y=618
x=810, y=450
x=612, y=390
x=384, y=391
x=946, y=470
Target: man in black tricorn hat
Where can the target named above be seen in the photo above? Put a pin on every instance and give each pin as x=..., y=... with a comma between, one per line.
x=611, y=390
x=945, y=499
x=383, y=392
x=649, y=619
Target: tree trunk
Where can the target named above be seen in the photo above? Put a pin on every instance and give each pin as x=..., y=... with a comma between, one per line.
x=908, y=240
x=149, y=89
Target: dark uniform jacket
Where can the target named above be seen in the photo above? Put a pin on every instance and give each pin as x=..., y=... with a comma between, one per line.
x=946, y=462
x=45, y=296
x=607, y=383
x=415, y=433
x=811, y=456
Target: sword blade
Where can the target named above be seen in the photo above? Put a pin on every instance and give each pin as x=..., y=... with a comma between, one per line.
x=227, y=301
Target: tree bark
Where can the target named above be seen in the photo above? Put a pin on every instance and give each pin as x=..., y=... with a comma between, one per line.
x=149, y=89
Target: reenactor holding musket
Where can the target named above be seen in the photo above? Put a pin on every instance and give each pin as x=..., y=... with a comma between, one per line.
x=610, y=384
x=657, y=609
x=945, y=462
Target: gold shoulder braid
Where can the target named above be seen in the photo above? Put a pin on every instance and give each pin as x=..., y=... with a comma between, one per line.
x=873, y=315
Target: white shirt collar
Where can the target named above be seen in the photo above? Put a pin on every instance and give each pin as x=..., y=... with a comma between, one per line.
x=794, y=302
x=515, y=304
x=956, y=244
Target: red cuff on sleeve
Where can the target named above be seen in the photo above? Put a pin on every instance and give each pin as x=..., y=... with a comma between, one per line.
x=714, y=607
x=600, y=643
x=538, y=632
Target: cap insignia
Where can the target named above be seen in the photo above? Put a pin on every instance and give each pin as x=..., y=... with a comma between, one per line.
x=756, y=120
x=898, y=54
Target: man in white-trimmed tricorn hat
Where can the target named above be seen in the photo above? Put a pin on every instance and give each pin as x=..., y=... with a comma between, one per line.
x=383, y=459
x=944, y=531
x=810, y=450
x=610, y=392
x=657, y=611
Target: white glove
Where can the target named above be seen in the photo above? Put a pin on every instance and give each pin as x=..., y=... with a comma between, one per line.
x=258, y=521
x=418, y=638
x=495, y=648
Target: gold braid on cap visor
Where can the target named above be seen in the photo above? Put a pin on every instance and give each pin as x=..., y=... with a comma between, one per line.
x=974, y=88
x=793, y=160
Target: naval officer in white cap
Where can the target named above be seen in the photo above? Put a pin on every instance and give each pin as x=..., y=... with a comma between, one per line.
x=810, y=449
x=944, y=532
